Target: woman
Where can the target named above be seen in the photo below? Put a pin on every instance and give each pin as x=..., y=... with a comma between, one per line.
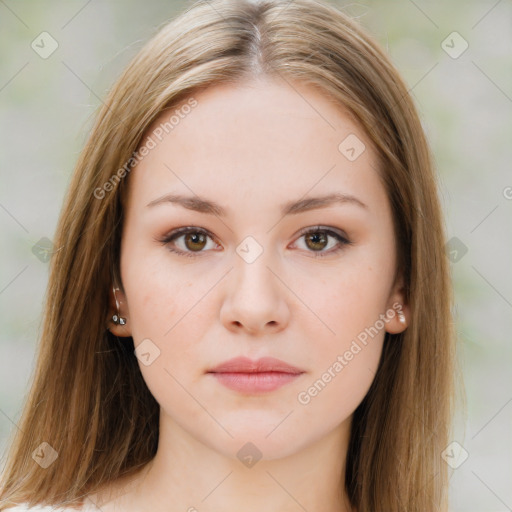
x=249, y=295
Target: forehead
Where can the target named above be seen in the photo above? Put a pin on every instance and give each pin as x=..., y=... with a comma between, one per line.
x=261, y=138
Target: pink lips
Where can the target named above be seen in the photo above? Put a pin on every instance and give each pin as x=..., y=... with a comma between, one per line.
x=247, y=376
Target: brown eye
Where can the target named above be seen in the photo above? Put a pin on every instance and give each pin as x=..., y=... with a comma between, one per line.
x=188, y=241
x=195, y=241
x=316, y=240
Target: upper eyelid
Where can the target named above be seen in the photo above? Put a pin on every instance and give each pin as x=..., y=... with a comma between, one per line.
x=176, y=233
x=328, y=229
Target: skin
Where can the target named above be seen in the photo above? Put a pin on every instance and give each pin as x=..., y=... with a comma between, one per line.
x=250, y=148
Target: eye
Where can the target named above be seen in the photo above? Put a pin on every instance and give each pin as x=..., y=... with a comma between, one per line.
x=317, y=239
x=194, y=240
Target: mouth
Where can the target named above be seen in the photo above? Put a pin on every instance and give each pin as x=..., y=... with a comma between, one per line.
x=247, y=376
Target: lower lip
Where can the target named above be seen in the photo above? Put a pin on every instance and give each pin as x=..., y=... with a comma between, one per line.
x=255, y=382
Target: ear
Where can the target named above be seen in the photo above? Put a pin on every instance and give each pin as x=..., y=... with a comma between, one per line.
x=117, y=329
x=397, y=309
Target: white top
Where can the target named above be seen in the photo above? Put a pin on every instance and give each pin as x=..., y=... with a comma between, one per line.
x=87, y=507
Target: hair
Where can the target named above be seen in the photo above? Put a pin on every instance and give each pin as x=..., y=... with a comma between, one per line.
x=88, y=399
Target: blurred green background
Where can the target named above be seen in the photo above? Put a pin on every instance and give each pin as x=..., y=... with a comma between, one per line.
x=464, y=96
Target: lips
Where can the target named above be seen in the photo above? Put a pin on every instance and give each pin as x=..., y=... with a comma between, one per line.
x=264, y=364
x=244, y=375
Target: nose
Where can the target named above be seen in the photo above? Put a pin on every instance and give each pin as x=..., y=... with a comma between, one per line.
x=256, y=298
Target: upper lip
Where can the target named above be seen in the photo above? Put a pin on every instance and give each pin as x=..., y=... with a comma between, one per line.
x=246, y=365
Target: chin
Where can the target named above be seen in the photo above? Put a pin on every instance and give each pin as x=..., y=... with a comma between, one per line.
x=256, y=442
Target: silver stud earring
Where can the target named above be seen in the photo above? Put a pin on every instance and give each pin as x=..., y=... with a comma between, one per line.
x=117, y=319
x=401, y=317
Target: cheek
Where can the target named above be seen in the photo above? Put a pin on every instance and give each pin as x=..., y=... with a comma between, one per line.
x=343, y=373
x=335, y=392
x=161, y=306
x=349, y=300
x=167, y=307
x=157, y=293
x=347, y=354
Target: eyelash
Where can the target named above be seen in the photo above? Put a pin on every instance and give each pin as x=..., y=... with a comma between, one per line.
x=173, y=235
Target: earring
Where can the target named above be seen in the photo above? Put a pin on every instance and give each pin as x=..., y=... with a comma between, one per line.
x=401, y=317
x=117, y=319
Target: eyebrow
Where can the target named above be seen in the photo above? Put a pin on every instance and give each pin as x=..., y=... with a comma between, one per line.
x=203, y=205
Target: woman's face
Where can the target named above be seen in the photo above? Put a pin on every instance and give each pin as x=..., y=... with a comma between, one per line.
x=266, y=271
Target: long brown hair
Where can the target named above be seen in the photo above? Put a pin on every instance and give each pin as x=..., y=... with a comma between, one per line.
x=88, y=399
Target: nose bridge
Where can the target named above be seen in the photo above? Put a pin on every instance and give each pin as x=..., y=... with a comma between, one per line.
x=251, y=266
x=256, y=297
